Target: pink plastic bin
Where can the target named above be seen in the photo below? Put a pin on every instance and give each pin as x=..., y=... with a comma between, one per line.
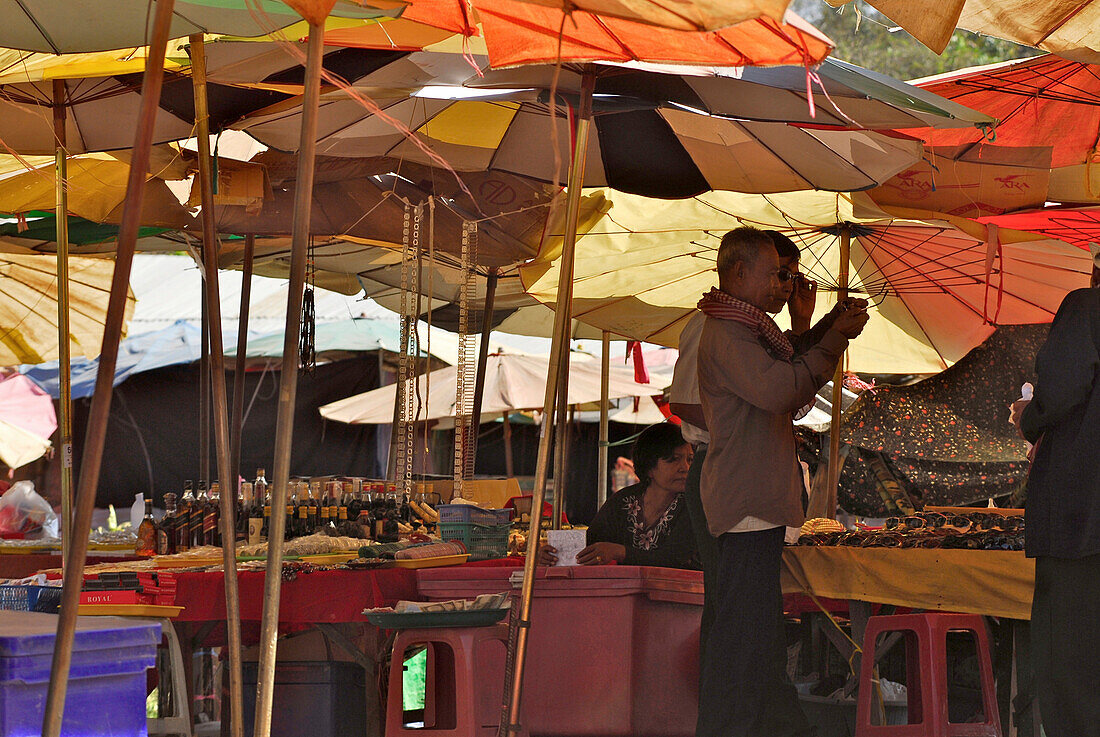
x=613, y=650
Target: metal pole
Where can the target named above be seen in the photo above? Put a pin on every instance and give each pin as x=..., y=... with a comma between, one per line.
x=559, y=352
x=483, y=355
x=64, y=364
x=235, y=427
x=838, y=380
x=226, y=471
x=96, y=433
x=605, y=390
x=288, y=384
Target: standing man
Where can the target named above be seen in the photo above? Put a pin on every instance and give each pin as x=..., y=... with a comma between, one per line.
x=751, y=382
x=801, y=296
x=1063, y=515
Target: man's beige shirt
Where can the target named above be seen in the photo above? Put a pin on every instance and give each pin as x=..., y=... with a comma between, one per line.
x=749, y=398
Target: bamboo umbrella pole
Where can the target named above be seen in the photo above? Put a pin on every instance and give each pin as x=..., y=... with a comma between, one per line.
x=64, y=364
x=509, y=462
x=235, y=427
x=288, y=382
x=561, y=441
x=204, y=379
x=605, y=391
x=559, y=351
x=226, y=473
x=96, y=433
x=483, y=354
x=838, y=380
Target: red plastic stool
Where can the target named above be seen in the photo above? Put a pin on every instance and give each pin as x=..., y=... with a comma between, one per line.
x=464, y=681
x=926, y=661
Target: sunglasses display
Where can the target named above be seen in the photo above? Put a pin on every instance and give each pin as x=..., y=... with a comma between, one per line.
x=969, y=531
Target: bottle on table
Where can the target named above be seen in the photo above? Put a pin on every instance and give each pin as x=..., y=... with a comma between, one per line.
x=198, y=511
x=211, y=535
x=324, y=510
x=294, y=522
x=313, y=521
x=182, y=522
x=347, y=499
x=166, y=528
x=257, y=517
x=147, y=532
x=244, y=511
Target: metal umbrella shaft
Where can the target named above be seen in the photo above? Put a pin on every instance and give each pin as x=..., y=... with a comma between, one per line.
x=64, y=363
x=483, y=354
x=559, y=352
x=96, y=434
x=288, y=381
x=838, y=380
x=236, y=420
x=228, y=476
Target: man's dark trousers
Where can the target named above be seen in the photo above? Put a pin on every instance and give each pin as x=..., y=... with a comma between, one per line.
x=1065, y=638
x=743, y=689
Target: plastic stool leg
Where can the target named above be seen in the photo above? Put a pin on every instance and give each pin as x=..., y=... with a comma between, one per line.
x=178, y=723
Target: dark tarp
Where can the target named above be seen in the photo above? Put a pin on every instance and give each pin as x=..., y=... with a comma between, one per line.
x=947, y=438
x=153, y=438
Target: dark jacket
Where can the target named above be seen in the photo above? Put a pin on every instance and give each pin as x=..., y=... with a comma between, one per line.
x=1063, y=488
x=670, y=545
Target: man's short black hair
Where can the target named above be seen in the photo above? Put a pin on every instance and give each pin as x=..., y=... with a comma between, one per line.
x=655, y=442
x=784, y=245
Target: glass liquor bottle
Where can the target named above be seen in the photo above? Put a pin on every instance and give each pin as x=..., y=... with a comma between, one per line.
x=257, y=517
x=198, y=511
x=147, y=533
x=166, y=528
x=244, y=511
x=182, y=522
x=211, y=534
x=294, y=504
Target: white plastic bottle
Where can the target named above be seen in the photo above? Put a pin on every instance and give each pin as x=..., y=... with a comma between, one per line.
x=137, y=512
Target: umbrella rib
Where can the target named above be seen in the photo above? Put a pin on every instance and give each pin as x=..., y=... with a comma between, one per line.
x=45, y=36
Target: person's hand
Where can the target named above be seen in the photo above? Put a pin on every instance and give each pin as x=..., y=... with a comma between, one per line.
x=547, y=555
x=801, y=303
x=1016, y=413
x=852, y=319
x=598, y=554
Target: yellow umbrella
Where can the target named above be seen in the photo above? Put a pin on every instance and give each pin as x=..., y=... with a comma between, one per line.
x=939, y=285
x=28, y=306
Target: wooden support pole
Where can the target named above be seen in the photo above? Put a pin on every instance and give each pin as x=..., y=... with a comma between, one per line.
x=288, y=381
x=236, y=421
x=559, y=351
x=226, y=472
x=509, y=462
x=96, y=434
x=838, y=380
x=64, y=362
x=483, y=355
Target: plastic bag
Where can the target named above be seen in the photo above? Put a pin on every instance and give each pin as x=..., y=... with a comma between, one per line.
x=25, y=514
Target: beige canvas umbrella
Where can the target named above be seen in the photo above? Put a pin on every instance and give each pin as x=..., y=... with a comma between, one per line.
x=28, y=307
x=937, y=290
x=1069, y=28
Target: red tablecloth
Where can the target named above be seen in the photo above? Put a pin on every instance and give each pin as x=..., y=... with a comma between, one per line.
x=321, y=596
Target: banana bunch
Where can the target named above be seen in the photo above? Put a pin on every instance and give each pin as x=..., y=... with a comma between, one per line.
x=424, y=511
x=819, y=525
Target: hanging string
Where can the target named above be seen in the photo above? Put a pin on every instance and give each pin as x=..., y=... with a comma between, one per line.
x=307, y=340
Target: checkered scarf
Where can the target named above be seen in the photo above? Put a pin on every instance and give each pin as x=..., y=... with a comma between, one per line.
x=718, y=304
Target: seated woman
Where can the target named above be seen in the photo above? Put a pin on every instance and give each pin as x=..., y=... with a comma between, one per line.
x=645, y=524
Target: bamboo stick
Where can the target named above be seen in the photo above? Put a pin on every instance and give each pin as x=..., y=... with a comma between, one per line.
x=64, y=362
x=559, y=352
x=96, y=433
x=288, y=383
x=228, y=476
x=605, y=391
x=236, y=421
x=838, y=381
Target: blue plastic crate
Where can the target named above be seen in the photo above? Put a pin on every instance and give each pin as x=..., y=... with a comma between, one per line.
x=106, y=692
x=470, y=514
x=45, y=599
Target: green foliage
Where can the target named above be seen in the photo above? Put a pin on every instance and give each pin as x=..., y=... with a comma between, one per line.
x=863, y=37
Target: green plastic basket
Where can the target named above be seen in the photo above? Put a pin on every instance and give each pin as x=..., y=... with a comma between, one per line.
x=482, y=542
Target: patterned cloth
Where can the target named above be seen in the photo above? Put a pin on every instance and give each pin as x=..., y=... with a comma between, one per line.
x=722, y=306
x=648, y=538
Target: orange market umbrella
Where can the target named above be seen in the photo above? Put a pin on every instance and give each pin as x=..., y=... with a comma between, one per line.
x=682, y=15
x=523, y=33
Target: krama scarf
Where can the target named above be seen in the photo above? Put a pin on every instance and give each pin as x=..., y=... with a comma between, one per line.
x=722, y=306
